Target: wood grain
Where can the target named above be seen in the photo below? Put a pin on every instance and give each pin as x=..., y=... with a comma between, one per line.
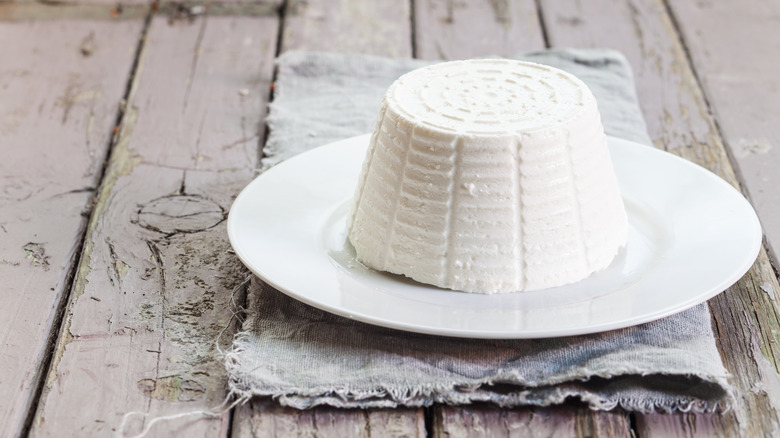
x=372, y=27
x=491, y=421
x=58, y=105
x=736, y=53
x=266, y=419
x=67, y=2
x=449, y=29
x=153, y=287
x=679, y=121
x=27, y=10
x=683, y=426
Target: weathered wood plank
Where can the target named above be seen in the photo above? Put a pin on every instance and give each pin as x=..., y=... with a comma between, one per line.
x=369, y=27
x=447, y=30
x=98, y=2
x=682, y=426
x=26, y=10
x=185, y=5
x=566, y=420
x=266, y=419
x=735, y=48
x=111, y=10
x=746, y=316
x=154, y=284
x=59, y=99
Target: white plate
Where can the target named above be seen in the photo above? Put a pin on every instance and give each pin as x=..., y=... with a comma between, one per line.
x=691, y=236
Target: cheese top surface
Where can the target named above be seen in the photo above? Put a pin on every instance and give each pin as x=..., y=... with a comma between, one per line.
x=488, y=96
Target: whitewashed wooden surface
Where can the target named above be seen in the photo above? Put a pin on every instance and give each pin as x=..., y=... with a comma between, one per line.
x=58, y=107
x=127, y=129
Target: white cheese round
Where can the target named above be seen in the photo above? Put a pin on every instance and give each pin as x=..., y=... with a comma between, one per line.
x=488, y=176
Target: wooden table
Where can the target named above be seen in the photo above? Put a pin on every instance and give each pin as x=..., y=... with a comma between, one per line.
x=126, y=130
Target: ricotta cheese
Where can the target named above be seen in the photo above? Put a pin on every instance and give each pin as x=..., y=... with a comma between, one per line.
x=488, y=176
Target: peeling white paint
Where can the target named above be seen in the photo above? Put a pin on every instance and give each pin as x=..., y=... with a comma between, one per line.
x=745, y=147
x=770, y=381
x=766, y=287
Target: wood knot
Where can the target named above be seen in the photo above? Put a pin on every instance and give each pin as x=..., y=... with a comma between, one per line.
x=180, y=214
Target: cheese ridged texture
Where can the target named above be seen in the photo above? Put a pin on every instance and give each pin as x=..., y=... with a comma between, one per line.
x=488, y=176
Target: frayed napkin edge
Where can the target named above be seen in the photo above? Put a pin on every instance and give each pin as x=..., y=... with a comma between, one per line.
x=457, y=394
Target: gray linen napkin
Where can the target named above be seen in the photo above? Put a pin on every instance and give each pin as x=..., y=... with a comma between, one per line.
x=305, y=357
